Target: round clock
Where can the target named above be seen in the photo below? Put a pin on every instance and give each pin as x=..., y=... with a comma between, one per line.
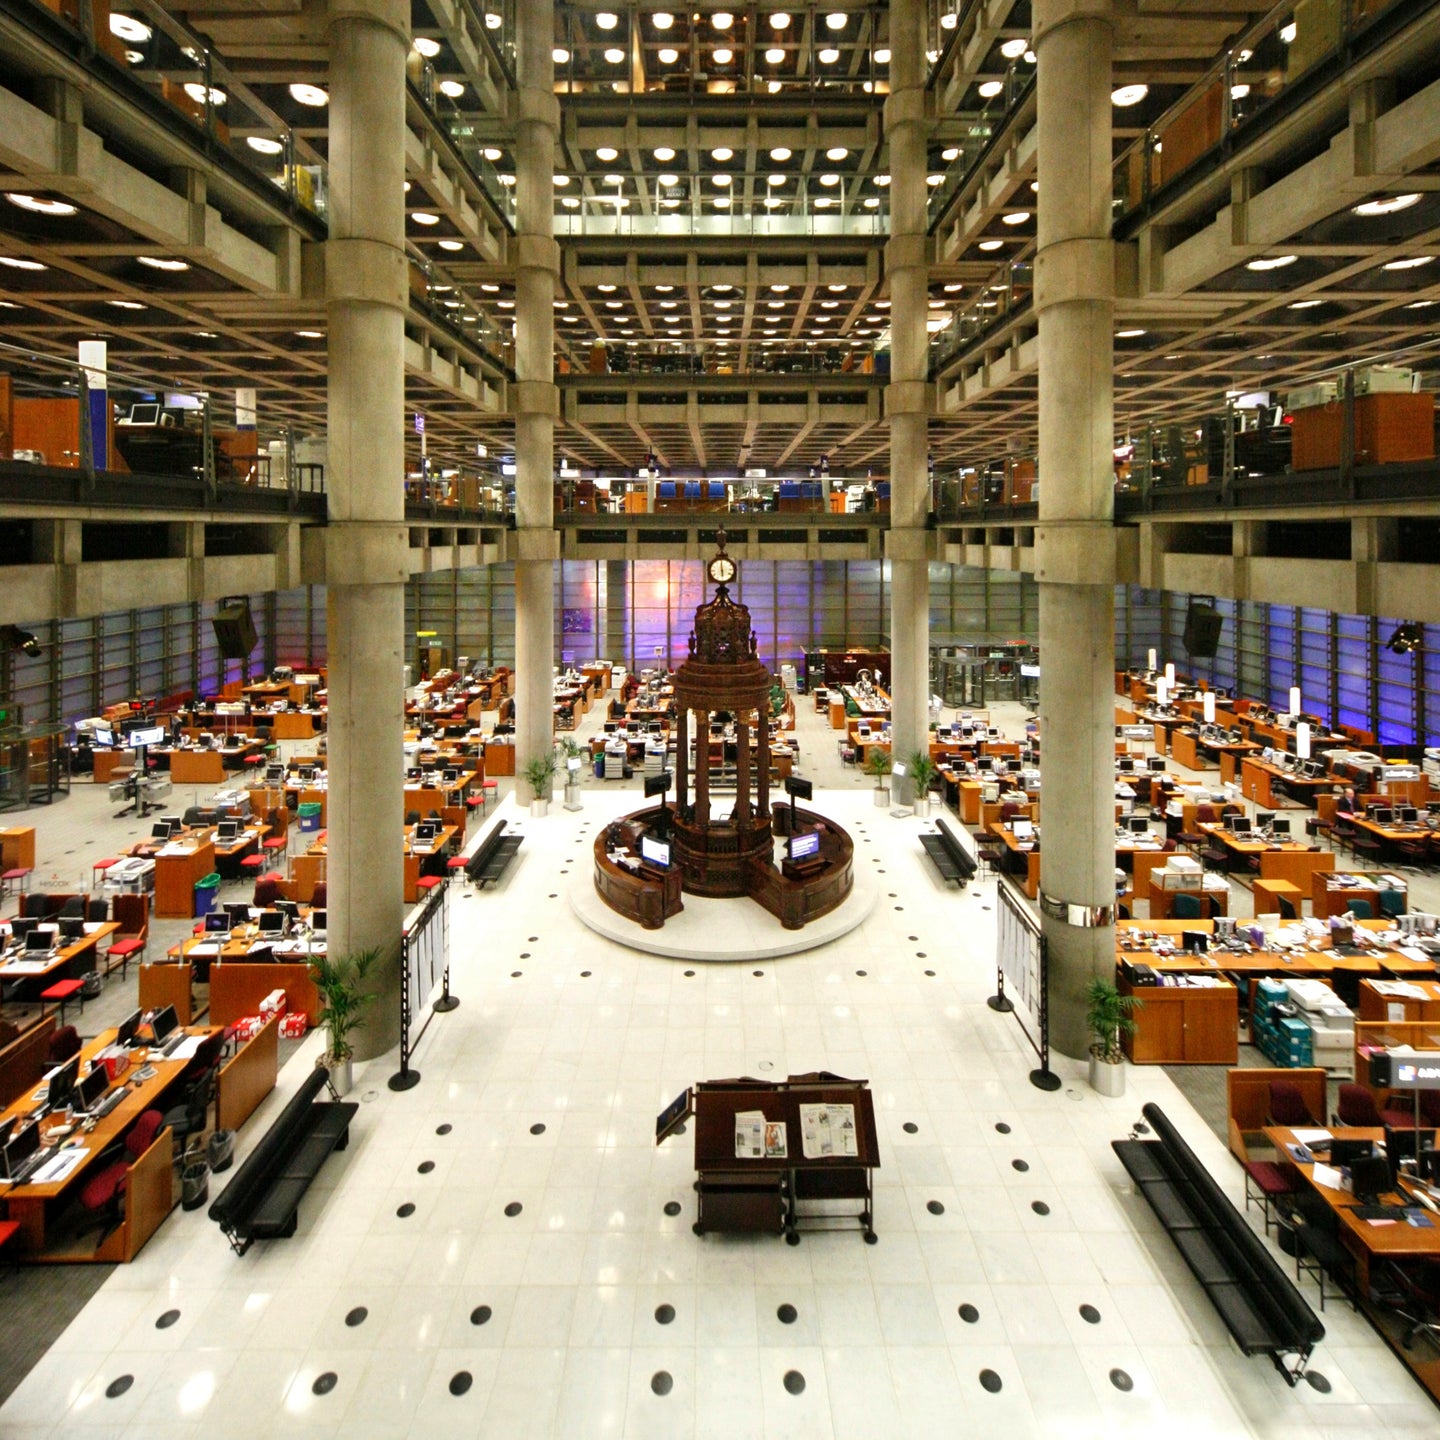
x=722, y=570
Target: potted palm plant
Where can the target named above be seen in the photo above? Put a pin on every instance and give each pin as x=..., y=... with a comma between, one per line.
x=540, y=776
x=340, y=979
x=1107, y=1017
x=568, y=748
x=877, y=763
x=922, y=772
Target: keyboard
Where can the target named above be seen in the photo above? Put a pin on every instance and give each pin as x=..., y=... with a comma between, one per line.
x=28, y=1167
x=173, y=1043
x=1379, y=1212
x=108, y=1103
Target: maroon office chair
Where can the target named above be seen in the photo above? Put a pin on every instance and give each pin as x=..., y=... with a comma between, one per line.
x=64, y=1043
x=1355, y=1105
x=1399, y=1114
x=317, y=899
x=1287, y=1105
x=267, y=891
x=103, y=1195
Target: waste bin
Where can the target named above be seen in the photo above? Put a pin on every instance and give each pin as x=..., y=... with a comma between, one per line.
x=207, y=889
x=309, y=815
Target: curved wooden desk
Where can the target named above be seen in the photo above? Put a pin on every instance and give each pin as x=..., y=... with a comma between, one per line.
x=647, y=896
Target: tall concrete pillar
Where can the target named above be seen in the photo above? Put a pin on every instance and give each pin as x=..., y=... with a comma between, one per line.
x=907, y=271
x=537, y=272
x=366, y=295
x=1075, y=537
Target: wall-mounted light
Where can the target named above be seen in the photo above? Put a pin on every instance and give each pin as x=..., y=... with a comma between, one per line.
x=1407, y=639
x=18, y=639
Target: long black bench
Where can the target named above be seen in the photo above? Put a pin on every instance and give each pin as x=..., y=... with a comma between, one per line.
x=1264, y=1312
x=262, y=1200
x=493, y=854
x=948, y=855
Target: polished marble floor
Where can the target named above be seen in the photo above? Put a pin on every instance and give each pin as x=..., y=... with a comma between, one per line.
x=591, y=1311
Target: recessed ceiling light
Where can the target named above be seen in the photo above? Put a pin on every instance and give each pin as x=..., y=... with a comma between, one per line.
x=309, y=95
x=668, y=179
x=506, y=179
x=1272, y=262
x=491, y=153
x=264, y=145
x=776, y=179
x=607, y=19
x=39, y=205
x=452, y=89
x=872, y=202
x=662, y=19
x=774, y=55
x=991, y=244
x=561, y=179
x=16, y=263
x=1287, y=33
x=780, y=154
x=821, y=202
x=1239, y=92
x=948, y=20
x=1411, y=262
x=722, y=202
x=990, y=89
x=952, y=287
x=779, y=289
x=829, y=179
x=723, y=304
x=1128, y=334
x=124, y=27
x=829, y=304
x=1014, y=49
x=836, y=289
x=452, y=244
x=157, y=262
x=196, y=91
x=424, y=217
x=722, y=56
x=615, y=55
x=722, y=19
x=774, y=304
x=828, y=56
x=722, y=153
x=663, y=153
x=311, y=334
x=490, y=289
x=882, y=57
x=560, y=55
x=722, y=179
x=1125, y=95
x=607, y=153
x=836, y=19
x=950, y=153
x=882, y=180
x=614, y=304
x=1420, y=304
x=614, y=179
x=127, y=304
x=836, y=152
x=664, y=289
x=606, y=289
x=1304, y=304
x=1386, y=206
x=723, y=288
x=668, y=304
x=427, y=47
x=933, y=180
x=668, y=56
x=779, y=20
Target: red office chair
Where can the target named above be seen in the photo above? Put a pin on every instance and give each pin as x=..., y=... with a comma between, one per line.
x=1355, y=1105
x=1400, y=1113
x=317, y=898
x=267, y=891
x=1287, y=1105
x=103, y=1194
x=64, y=1043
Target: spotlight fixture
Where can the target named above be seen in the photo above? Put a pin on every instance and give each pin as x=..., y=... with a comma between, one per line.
x=18, y=639
x=1407, y=639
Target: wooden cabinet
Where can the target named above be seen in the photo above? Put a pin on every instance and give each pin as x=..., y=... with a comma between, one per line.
x=175, y=877
x=1178, y=1025
x=17, y=848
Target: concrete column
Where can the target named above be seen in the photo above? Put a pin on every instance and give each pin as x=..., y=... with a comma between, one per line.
x=1075, y=539
x=366, y=293
x=537, y=273
x=907, y=270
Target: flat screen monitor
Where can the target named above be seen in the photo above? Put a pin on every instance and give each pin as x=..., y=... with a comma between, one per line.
x=1347, y=1152
x=798, y=788
x=22, y=1145
x=1022, y=829
x=1263, y=819
x=217, y=922
x=236, y=914
x=1370, y=1178
x=1194, y=942
x=92, y=1087
x=611, y=726
x=425, y=830
x=274, y=774
x=125, y=1031
x=163, y=1022
x=41, y=938
x=1406, y=1145
x=307, y=772
x=140, y=739
x=1241, y=824
x=317, y=921
x=271, y=922
x=1125, y=766
x=102, y=739
x=1409, y=814
x=62, y=1083
x=655, y=852
x=228, y=829
x=805, y=845
x=289, y=907
x=22, y=925
x=160, y=830
x=985, y=762
x=72, y=927
x=1383, y=815
x=1139, y=825
x=1280, y=825
x=1314, y=769
x=1014, y=766
x=657, y=784
x=145, y=413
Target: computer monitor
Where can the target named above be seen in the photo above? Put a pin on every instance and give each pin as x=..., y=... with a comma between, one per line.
x=1138, y=824
x=655, y=852
x=228, y=830
x=427, y=830
x=1280, y=825
x=1383, y=815
x=985, y=762
x=125, y=1031
x=274, y=774
x=72, y=927
x=160, y=830
x=1263, y=820
x=21, y=1146
x=90, y=1090
x=805, y=845
x=22, y=925
x=1347, y=1152
x=317, y=921
x=1015, y=766
x=1125, y=765
x=290, y=908
x=1194, y=942
x=145, y=413
x=1409, y=814
x=61, y=1081
x=1405, y=1145
x=163, y=1022
x=141, y=739
x=1022, y=829
x=1240, y=825
x=271, y=922
x=102, y=739
x=42, y=938
x=236, y=914
x=1370, y=1178
x=217, y=922
x=611, y=726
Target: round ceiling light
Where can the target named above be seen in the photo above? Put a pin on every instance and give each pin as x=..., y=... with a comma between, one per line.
x=16, y=263
x=779, y=20
x=722, y=153
x=1388, y=205
x=125, y=27
x=668, y=56
x=158, y=262
x=452, y=89
x=990, y=244
x=39, y=205
x=990, y=89
x=607, y=153
x=722, y=19
x=607, y=19
x=452, y=244
x=311, y=95
x=662, y=19
x=615, y=55
x=560, y=55
x=882, y=56
x=425, y=46
x=774, y=55
x=780, y=154
x=264, y=145
x=423, y=217
x=1126, y=95
x=828, y=56
x=1412, y=262
x=1015, y=217
x=1014, y=49
x=1271, y=262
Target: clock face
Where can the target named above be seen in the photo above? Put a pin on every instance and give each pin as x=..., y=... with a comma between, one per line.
x=722, y=569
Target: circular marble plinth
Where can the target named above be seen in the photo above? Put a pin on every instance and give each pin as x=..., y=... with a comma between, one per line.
x=719, y=930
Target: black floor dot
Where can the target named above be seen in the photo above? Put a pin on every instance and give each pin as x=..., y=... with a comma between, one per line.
x=892, y=895
x=689, y=974
x=1021, y=1165
x=531, y=939
x=1039, y=1207
x=662, y=1382
x=910, y=1128
x=787, y=1314
x=516, y=974
x=167, y=1319
x=862, y=972
x=524, y=954
x=424, y=1167
x=406, y=1210
x=118, y=1386
x=537, y=1128
x=968, y=1313
x=664, y=1314
x=480, y=1314
x=1316, y=1381
x=356, y=1316
x=1002, y=1127
x=899, y=907
x=1121, y=1381
x=912, y=938
x=513, y=1208
x=930, y=973
x=934, y=1207
x=990, y=1381
x=325, y=1383
x=552, y=896
x=1089, y=1314
x=460, y=1382
x=444, y=1129
x=585, y=974
x=757, y=973
x=921, y=955
x=672, y=1207
x=794, y=1382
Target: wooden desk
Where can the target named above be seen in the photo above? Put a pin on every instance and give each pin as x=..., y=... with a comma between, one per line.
x=1259, y=782
x=1183, y=1024
x=1031, y=860
x=197, y=767
x=163, y=984
x=295, y=725
x=647, y=896
x=237, y=988
x=1243, y=846
x=1375, y=1006
x=17, y=848
x=758, y=1194
x=1329, y=896
x=175, y=877
x=68, y=963
x=1269, y=893
x=308, y=870
x=499, y=758
x=248, y=1077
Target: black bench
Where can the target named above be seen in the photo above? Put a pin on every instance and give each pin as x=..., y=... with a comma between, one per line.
x=949, y=856
x=262, y=1199
x=1264, y=1312
x=492, y=855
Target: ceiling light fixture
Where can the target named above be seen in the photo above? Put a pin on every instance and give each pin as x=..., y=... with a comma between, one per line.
x=424, y=217
x=774, y=55
x=1388, y=205
x=1411, y=262
x=1124, y=96
x=157, y=262
x=264, y=145
x=451, y=89
x=1128, y=334
x=779, y=20
x=882, y=56
x=425, y=46
x=933, y=180
x=1271, y=262
x=723, y=57
x=311, y=95
x=1304, y=304
x=311, y=334
x=127, y=304
x=615, y=55
x=16, y=263
x=607, y=153
x=991, y=244
x=662, y=19
x=780, y=154
x=722, y=19
x=452, y=244
x=39, y=205
x=491, y=153
x=722, y=153
x=125, y=27
x=836, y=152
x=607, y=19
x=663, y=153
x=829, y=179
x=828, y=56
x=1014, y=49
x=668, y=56
x=990, y=89
x=882, y=180
x=776, y=179
x=196, y=91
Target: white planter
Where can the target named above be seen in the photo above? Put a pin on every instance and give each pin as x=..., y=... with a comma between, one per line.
x=1106, y=1079
x=342, y=1075
x=539, y=809
x=922, y=807
x=882, y=796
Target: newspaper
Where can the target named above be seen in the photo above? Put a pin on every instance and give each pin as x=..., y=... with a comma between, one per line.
x=757, y=1138
x=827, y=1130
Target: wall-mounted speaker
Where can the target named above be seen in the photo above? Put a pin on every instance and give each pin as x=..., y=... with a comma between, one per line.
x=234, y=629
x=1201, y=637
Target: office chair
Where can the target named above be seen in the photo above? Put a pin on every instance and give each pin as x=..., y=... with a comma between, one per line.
x=317, y=897
x=1287, y=1105
x=104, y=1194
x=1355, y=1105
x=268, y=889
x=1360, y=909
x=64, y=1042
x=132, y=914
x=73, y=908
x=1392, y=903
x=1414, y=1297
x=1400, y=1114
x=1186, y=907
